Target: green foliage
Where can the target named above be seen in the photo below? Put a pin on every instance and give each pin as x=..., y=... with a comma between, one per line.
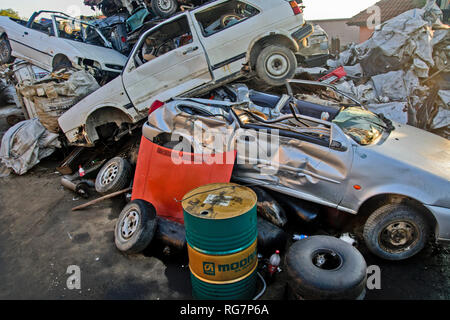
x=9, y=13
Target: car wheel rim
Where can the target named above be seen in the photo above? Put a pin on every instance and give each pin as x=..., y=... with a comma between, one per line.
x=399, y=236
x=129, y=224
x=327, y=259
x=165, y=5
x=277, y=65
x=110, y=174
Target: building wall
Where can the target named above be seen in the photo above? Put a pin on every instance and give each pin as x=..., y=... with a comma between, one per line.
x=337, y=28
x=364, y=34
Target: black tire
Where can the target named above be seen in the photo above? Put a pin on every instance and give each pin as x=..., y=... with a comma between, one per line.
x=61, y=64
x=114, y=176
x=275, y=65
x=342, y=277
x=164, y=8
x=135, y=227
x=5, y=51
x=396, y=232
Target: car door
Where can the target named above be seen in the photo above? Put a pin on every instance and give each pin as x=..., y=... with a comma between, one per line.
x=227, y=29
x=303, y=166
x=170, y=74
x=34, y=44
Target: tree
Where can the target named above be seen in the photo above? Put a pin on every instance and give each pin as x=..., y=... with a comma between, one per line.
x=9, y=13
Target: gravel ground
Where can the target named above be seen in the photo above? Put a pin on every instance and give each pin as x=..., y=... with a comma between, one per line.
x=41, y=237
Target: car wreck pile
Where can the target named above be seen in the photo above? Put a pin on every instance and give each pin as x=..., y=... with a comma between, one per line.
x=184, y=113
x=402, y=71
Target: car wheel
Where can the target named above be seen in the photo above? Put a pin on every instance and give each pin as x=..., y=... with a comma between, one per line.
x=164, y=8
x=5, y=51
x=135, y=227
x=114, y=176
x=396, y=232
x=323, y=267
x=275, y=65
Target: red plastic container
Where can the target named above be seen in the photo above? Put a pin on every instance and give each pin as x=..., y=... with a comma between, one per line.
x=163, y=183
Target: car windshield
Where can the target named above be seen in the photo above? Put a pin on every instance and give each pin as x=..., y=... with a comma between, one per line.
x=76, y=30
x=364, y=126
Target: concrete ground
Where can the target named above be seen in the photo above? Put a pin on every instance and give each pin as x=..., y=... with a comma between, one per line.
x=40, y=237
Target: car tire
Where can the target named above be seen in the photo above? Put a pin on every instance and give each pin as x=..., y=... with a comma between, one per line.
x=396, y=232
x=135, y=227
x=164, y=8
x=275, y=65
x=114, y=176
x=5, y=51
x=340, y=275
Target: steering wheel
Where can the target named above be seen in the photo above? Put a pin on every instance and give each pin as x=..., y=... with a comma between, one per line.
x=165, y=47
x=229, y=19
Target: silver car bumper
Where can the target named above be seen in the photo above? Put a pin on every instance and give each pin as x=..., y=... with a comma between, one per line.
x=442, y=216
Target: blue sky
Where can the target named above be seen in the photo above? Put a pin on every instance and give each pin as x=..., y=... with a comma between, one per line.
x=315, y=9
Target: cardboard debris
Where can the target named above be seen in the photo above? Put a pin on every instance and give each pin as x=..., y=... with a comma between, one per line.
x=53, y=95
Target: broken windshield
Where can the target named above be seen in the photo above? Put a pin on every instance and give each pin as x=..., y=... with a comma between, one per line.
x=76, y=30
x=363, y=126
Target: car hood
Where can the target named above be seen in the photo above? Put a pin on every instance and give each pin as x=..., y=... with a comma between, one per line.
x=417, y=148
x=97, y=53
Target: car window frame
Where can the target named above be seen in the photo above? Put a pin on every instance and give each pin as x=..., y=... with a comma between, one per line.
x=202, y=29
x=140, y=44
x=106, y=43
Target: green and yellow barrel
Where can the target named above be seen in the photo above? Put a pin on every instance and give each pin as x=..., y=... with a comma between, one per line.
x=221, y=232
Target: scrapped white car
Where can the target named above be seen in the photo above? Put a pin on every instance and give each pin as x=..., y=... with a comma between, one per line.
x=190, y=52
x=51, y=40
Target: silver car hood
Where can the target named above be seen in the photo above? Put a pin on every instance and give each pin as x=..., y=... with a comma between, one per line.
x=417, y=148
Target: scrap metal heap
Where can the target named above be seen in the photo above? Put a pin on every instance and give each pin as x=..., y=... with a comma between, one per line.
x=402, y=70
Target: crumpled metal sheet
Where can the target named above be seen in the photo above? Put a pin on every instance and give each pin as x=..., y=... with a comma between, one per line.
x=25, y=144
x=171, y=120
x=442, y=117
x=395, y=111
x=355, y=71
x=390, y=85
x=282, y=162
x=395, y=42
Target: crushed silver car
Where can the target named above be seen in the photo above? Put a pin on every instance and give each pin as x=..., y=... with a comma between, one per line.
x=333, y=153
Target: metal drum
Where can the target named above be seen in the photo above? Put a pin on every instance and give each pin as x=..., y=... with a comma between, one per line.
x=221, y=232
